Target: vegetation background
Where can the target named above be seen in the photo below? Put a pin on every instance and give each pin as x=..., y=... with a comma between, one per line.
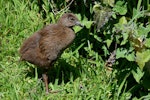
x=109, y=59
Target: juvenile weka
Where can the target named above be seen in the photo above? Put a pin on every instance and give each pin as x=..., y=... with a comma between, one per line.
x=46, y=45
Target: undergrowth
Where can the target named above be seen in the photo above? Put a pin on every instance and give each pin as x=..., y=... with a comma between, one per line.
x=109, y=59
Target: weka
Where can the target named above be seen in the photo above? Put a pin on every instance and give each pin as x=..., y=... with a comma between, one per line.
x=46, y=45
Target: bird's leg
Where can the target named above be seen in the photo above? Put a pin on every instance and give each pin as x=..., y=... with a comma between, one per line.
x=45, y=79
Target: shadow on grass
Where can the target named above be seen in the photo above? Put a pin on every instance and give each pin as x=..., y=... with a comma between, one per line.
x=131, y=85
x=62, y=71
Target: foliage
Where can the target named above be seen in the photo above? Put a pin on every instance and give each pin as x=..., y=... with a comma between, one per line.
x=109, y=58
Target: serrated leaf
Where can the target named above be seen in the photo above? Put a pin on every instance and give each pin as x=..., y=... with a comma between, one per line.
x=123, y=20
x=138, y=74
x=123, y=53
x=79, y=16
x=130, y=57
x=147, y=43
x=142, y=58
x=143, y=30
x=96, y=37
x=108, y=42
x=120, y=7
x=77, y=29
x=114, y=16
x=105, y=50
x=121, y=24
x=137, y=14
x=125, y=38
x=87, y=24
x=120, y=53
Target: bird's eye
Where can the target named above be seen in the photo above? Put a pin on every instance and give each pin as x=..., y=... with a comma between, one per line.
x=71, y=19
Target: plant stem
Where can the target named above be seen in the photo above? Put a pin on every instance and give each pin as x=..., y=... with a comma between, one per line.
x=139, y=4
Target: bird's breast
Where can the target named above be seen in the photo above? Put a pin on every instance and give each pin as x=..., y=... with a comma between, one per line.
x=67, y=37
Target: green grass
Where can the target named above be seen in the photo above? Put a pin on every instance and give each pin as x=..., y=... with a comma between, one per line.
x=76, y=76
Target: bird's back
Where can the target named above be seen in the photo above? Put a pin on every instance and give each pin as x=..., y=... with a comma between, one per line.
x=45, y=46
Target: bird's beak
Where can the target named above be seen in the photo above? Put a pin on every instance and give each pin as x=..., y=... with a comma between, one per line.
x=79, y=24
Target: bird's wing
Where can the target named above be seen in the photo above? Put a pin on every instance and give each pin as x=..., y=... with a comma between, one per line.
x=48, y=46
x=31, y=42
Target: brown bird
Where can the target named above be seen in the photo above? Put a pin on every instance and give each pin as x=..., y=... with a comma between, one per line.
x=46, y=45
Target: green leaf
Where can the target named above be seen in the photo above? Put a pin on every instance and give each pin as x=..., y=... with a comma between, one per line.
x=85, y=21
x=138, y=74
x=96, y=37
x=123, y=53
x=87, y=24
x=120, y=8
x=108, y=42
x=121, y=24
x=109, y=2
x=125, y=38
x=142, y=58
x=143, y=30
x=123, y=20
x=77, y=29
x=106, y=52
x=130, y=57
x=137, y=14
x=120, y=53
x=147, y=43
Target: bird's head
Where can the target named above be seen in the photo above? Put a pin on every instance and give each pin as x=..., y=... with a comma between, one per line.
x=69, y=20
